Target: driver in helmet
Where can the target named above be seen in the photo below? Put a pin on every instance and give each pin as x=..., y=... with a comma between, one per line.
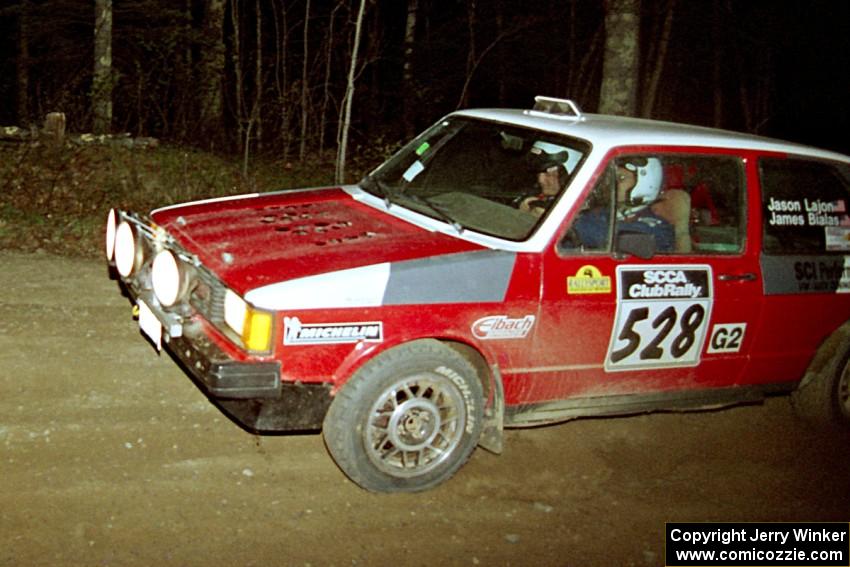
x=551, y=178
x=638, y=183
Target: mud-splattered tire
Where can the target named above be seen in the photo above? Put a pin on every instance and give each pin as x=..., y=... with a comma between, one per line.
x=823, y=396
x=407, y=420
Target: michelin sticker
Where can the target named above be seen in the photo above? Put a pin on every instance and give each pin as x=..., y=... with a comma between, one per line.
x=662, y=316
x=297, y=333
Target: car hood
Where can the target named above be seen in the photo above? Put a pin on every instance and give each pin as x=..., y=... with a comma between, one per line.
x=255, y=241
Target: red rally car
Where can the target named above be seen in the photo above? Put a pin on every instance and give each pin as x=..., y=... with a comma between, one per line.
x=507, y=268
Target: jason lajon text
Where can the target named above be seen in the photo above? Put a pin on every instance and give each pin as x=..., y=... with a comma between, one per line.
x=756, y=534
x=817, y=213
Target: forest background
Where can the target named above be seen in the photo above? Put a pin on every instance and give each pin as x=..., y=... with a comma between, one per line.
x=264, y=94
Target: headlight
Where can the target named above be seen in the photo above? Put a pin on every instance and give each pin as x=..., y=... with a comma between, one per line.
x=128, y=251
x=253, y=326
x=167, y=278
x=111, y=224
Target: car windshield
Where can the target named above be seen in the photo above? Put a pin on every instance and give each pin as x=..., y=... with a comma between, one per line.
x=481, y=176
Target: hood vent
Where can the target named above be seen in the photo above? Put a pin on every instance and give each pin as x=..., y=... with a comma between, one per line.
x=308, y=219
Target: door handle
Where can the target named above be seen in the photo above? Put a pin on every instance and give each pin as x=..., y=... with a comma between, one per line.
x=745, y=277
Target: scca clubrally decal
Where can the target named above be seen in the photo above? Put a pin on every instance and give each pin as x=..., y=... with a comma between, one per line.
x=662, y=316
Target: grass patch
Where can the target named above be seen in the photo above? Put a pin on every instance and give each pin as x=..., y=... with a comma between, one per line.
x=56, y=200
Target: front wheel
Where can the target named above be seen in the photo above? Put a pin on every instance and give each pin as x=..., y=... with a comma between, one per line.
x=407, y=420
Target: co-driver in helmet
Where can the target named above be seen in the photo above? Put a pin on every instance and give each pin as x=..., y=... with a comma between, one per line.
x=638, y=182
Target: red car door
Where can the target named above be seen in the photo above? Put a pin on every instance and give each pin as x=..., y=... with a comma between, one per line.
x=804, y=213
x=680, y=322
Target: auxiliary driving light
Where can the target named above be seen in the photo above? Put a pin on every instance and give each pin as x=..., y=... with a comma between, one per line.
x=235, y=310
x=166, y=278
x=111, y=225
x=126, y=249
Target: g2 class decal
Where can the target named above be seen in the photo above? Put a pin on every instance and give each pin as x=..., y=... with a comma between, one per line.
x=662, y=316
x=726, y=337
x=297, y=333
x=502, y=327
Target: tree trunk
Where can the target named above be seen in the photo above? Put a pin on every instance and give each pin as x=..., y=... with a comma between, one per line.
x=473, y=65
x=618, y=94
x=102, y=83
x=717, y=64
x=256, y=113
x=281, y=81
x=581, y=80
x=302, y=151
x=237, y=71
x=471, y=58
x=571, y=51
x=326, y=95
x=53, y=132
x=211, y=71
x=345, y=123
x=659, y=55
x=23, y=64
x=408, y=89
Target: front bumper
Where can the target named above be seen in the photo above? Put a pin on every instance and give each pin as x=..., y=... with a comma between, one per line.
x=249, y=392
x=222, y=377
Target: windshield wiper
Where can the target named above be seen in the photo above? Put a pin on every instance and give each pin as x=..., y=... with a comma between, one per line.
x=390, y=198
x=380, y=187
x=441, y=211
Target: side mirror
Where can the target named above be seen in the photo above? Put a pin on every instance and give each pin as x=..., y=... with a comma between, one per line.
x=638, y=244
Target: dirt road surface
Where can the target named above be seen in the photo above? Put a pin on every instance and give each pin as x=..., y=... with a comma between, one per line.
x=111, y=456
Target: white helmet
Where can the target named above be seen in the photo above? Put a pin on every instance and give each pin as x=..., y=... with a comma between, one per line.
x=557, y=155
x=650, y=174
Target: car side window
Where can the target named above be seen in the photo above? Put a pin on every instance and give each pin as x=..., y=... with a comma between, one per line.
x=682, y=204
x=804, y=206
x=718, y=201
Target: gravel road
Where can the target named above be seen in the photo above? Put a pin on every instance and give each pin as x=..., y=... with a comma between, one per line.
x=111, y=456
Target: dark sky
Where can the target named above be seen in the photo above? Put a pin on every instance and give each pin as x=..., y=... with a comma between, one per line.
x=791, y=59
x=781, y=67
x=813, y=66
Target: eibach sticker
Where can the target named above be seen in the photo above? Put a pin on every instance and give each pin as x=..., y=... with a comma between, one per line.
x=502, y=327
x=662, y=316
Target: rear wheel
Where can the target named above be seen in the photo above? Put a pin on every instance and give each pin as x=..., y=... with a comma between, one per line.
x=842, y=393
x=408, y=420
x=824, y=394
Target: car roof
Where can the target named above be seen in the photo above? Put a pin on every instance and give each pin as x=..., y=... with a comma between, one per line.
x=605, y=132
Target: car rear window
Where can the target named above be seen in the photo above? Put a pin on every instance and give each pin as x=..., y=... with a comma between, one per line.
x=805, y=206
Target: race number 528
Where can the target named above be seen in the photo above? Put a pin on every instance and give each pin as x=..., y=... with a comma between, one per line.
x=661, y=317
